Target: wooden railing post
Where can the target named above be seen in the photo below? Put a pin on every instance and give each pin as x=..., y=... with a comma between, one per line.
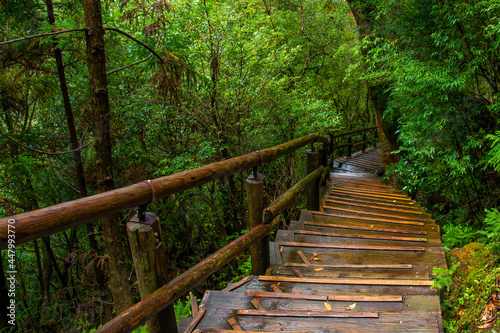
x=313, y=189
x=363, y=147
x=259, y=252
x=148, y=252
x=323, y=160
x=349, y=146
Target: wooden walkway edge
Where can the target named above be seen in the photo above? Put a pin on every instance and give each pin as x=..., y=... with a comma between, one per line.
x=362, y=263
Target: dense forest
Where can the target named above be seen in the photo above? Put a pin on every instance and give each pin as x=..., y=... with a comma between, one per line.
x=175, y=85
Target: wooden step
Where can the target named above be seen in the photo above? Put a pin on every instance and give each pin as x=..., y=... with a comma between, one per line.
x=362, y=263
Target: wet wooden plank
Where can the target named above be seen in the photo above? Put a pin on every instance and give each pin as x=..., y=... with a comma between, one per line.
x=344, y=298
x=360, y=272
x=234, y=324
x=308, y=314
x=220, y=330
x=398, y=197
x=371, y=213
x=195, y=320
x=366, y=227
x=376, y=237
x=354, y=247
x=433, y=256
x=239, y=283
x=303, y=257
x=370, y=218
x=353, y=266
x=347, y=281
x=380, y=207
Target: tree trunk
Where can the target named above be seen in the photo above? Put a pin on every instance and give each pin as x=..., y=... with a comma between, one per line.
x=100, y=115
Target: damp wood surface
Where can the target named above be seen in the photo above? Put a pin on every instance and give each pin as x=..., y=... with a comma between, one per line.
x=363, y=262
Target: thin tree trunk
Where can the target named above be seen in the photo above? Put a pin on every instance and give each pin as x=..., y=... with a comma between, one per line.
x=77, y=153
x=100, y=115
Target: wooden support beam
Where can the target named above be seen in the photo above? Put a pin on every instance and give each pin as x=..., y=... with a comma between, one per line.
x=149, y=258
x=259, y=252
x=313, y=188
x=166, y=295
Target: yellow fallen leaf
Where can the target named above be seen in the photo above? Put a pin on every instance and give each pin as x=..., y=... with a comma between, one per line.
x=394, y=201
x=314, y=255
x=328, y=306
x=350, y=307
x=319, y=269
x=316, y=258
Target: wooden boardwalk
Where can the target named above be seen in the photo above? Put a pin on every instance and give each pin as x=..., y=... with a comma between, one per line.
x=363, y=263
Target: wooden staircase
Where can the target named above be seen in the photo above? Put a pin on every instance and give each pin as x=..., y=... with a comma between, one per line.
x=363, y=263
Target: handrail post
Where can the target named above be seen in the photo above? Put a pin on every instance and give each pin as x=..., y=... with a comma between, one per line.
x=148, y=252
x=323, y=160
x=259, y=252
x=313, y=189
x=363, y=147
x=349, y=146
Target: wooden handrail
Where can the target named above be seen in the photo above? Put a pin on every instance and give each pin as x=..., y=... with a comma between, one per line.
x=139, y=313
x=353, y=132
x=284, y=200
x=47, y=221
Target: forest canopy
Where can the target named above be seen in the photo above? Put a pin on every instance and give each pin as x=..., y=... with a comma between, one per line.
x=189, y=83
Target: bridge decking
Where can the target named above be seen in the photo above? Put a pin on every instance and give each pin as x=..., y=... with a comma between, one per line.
x=363, y=263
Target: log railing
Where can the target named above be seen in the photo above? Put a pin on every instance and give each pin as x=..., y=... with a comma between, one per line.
x=47, y=221
x=50, y=220
x=347, y=138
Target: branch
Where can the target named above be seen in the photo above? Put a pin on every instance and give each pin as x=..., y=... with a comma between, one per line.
x=130, y=65
x=41, y=35
x=41, y=151
x=137, y=62
x=137, y=41
x=53, y=167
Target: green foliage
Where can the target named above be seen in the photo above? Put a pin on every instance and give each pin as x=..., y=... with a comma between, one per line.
x=494, y=154
x=455, y=235
x=474, y=276
x=443, y=277
x=492, y=229
x=234, y=78
x=182, y=308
